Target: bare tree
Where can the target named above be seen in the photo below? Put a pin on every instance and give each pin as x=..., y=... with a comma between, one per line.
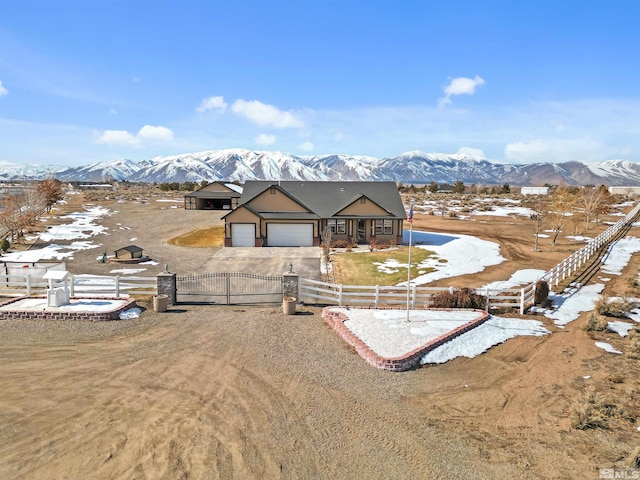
x=561, y=208
x=537, y=216
x=591, y=201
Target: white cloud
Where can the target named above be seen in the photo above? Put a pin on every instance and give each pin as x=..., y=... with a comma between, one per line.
x=306, y=146
x=136, y=79
x=212, y=103
x=265, y=115
x=147, y=133
x=115, y=137
x=558, y=150
x=113, y=111
x=473, y=152
x=160, y=133
x=3, y=91
x=265, y=139
x=460, y=86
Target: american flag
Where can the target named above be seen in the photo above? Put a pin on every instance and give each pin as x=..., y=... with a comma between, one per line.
x=411, y=213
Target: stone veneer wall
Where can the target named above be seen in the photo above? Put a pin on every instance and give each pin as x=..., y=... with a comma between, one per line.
x=68, y=315
x=408, y=361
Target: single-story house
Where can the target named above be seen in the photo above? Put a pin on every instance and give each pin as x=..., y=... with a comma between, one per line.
x=214, y=196
x=535, y=190
x=294, y=213
x=129, y=252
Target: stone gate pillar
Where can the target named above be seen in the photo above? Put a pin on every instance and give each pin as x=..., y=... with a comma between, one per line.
x=166, y=285
x=290, y=285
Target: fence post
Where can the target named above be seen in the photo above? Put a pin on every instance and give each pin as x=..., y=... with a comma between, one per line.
x=522, y=301
x=414, y=294
x=377, y=295
x=117, y=286
x=28, y=282
x=228, y=287
x=340, y=295
x=486, y=292
x=72, y=286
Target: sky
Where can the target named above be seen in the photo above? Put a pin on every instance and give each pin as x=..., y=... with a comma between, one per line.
x=513, y=81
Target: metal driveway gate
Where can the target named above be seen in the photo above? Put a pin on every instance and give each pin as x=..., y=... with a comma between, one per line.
x=229, y=288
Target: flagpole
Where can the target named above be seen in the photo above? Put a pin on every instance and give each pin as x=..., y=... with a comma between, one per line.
x=409, y=259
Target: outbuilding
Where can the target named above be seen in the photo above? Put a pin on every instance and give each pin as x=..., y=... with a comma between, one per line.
x=534, y=190
x=214, y=196
x=130, y=252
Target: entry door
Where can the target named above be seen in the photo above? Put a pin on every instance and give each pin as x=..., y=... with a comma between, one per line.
x=362, y=232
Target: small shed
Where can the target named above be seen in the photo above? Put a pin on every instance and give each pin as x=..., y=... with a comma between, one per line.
x=130, y=252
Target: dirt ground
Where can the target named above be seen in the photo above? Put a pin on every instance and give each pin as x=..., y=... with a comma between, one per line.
x=227, y=392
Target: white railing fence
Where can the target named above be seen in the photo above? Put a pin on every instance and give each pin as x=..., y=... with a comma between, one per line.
x=313, y=291
x=80, y=285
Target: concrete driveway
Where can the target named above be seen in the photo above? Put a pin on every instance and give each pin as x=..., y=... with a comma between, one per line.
x=266, y=261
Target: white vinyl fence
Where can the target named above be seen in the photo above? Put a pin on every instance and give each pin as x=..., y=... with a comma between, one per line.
x=80, y=285
x=313, y=291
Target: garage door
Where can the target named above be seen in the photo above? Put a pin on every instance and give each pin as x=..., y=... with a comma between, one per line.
x=290, y=234
x=243, y=235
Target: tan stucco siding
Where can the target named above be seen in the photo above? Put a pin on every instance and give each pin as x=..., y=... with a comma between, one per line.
x=275, y=202
x=362, y=209
x=241, y=215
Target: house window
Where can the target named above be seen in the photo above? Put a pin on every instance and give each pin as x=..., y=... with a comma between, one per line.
x=272, y=190
x=337, y=226
x=384, y=227
x=363, y=200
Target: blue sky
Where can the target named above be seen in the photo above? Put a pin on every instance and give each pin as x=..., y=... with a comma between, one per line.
x=515, y=81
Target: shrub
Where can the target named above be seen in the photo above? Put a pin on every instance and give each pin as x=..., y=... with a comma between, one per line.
x=589, y=411
x=614, y=307
x=339, y=244
x=5, y=245
x=633, y=348
x=453, y=214
x=595, y=323
x=460, y=298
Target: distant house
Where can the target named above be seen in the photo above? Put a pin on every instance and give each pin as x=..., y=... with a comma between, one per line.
x=129, y=252
x=629, y=191
x=445, y=188
x=535, y=190
x=214, y=196
x=294, y=213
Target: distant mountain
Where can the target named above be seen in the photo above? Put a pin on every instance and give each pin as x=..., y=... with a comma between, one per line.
x=410, y=168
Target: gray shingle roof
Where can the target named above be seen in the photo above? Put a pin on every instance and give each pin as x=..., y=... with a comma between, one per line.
x=327, y=198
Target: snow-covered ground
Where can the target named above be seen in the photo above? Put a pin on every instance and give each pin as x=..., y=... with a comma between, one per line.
x=454, y=255
x=390, y=333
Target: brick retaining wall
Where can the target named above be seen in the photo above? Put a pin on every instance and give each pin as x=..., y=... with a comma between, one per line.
x=90, y=316
x=410, y=360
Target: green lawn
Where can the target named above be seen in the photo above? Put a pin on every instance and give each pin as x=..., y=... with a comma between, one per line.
x=362, y=268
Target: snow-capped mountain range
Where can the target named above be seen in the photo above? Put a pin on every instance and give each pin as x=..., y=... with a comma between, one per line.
x=410, y=168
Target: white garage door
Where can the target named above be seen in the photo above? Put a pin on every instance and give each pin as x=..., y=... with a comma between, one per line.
x=243, y=235
x=290, y=234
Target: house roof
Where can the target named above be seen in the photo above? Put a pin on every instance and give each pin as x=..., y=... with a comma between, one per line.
x=130, y=248
x=228, y=190
x=326, y=199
